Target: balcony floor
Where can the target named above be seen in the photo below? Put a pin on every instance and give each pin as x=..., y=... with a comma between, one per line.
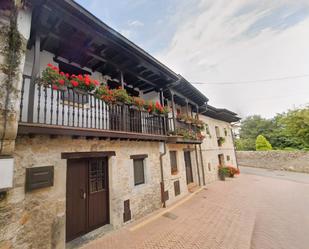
x=43, y=129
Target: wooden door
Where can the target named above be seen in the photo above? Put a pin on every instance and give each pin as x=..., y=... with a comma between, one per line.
x=188, y=166
x=87, y=196
x=98, y=193
x=76, y=199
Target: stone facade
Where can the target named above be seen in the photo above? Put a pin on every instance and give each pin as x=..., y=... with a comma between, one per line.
x=37, y=219
x=211, y=150
x=278, y=160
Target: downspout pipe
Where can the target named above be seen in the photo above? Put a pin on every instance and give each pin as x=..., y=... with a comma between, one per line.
x=162, y=154
x=234, y=147
x=197, y=165
x=202, y=164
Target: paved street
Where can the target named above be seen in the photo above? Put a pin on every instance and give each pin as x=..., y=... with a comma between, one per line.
x=259, y=209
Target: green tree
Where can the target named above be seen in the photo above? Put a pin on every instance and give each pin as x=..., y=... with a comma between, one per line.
x=295, y=125
x=262, y=143
x=251, y=127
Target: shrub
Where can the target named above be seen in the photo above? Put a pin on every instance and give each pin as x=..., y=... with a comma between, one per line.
x=232, y=171
x=262, y=144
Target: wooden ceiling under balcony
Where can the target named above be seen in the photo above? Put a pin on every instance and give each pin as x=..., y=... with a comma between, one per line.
x=69, y=31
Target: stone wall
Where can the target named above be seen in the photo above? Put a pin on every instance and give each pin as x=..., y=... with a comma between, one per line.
x=278, y=160
x=11, y=46
x=37, y=219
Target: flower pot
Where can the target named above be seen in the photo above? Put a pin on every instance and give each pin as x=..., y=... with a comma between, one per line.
x=134, y=107
x=222, y=177
x=119, y=103
x=59, y=88
x=80, y=91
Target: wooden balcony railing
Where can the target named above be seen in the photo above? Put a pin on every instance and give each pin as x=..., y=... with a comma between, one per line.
x=179, y=125
x=72, y=109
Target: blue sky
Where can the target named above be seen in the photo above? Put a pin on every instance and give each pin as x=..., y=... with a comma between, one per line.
x=223, y=41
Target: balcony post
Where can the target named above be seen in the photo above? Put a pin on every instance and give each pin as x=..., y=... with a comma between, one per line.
x=34, y=74
x=173, y=111
x=187, y=106
x=164, y=118
x=121, y=80
x=197, y=110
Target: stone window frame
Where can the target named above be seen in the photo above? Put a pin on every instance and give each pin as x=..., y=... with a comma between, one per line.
x=142, y=158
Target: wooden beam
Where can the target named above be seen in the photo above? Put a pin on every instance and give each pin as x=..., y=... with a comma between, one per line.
x=92, y=154
x=149, y=90
x=70, y=18
x=25, y=128
x=141, y=156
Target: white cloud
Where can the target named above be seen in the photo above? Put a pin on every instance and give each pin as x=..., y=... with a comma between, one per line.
x=234, y=41
x=135, y=23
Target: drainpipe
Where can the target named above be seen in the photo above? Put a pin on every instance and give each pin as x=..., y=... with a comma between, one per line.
x=234, y=146
x=197, y=165
x=162, y=176
x=202, y=164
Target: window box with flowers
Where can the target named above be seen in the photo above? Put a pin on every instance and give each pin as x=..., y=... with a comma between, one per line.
x=61, y=81
x=53, y=77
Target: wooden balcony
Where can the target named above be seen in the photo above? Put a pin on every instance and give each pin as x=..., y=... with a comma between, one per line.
x=56, y=112
x=174, y=137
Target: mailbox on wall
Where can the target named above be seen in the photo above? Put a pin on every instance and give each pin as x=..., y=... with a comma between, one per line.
x=6, y=173
x=39, y=177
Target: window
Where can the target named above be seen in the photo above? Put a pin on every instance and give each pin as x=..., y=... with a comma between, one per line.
x=173, y=159
x=207, y=129
x=225, y=132
x=97, y=176
x=176, y=188
x=221, y=160
x=228, y=158
x=139, y=174
x=217, y=131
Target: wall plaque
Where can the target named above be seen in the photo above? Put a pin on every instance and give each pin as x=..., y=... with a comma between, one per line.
x=39, y=177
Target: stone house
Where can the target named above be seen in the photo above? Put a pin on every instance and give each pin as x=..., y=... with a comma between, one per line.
x=71, y=162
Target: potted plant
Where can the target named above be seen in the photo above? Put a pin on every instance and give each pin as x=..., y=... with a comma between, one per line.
x=232, y=171
x=121, y=96
x=104, y=93
x=149, y=106
x=181, y=117
x=52, y=76
x=160, y=110
x=83, y=84
x=221, y=140
x=138, y=103
x=223, y=172
x=188, y=120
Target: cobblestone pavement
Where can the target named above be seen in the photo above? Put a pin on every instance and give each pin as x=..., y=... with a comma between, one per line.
x=247, y=212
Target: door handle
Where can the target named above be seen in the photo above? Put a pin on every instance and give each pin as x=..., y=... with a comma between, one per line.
x=83, y=194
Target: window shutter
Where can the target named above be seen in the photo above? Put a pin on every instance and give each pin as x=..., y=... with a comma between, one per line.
x=139, y=176
x=173, y=159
